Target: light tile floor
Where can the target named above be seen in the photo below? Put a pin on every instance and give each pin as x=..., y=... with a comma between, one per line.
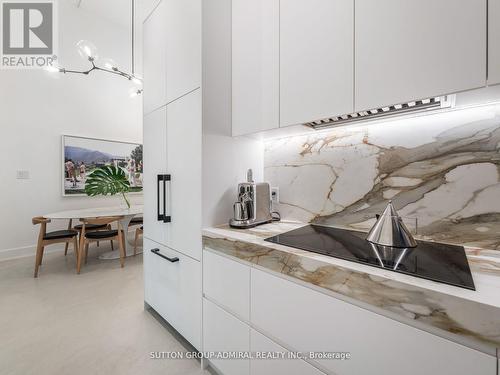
x=92, y=323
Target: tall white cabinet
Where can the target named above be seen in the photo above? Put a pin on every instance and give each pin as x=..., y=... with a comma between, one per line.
x=172, y=164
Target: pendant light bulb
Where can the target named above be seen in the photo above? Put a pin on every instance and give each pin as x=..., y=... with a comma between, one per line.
x=109, y=63
x=87, y=50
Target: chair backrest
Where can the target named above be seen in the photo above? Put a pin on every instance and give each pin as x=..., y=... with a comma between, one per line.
x=101, y=220
x=39, y=220
x=43, y=228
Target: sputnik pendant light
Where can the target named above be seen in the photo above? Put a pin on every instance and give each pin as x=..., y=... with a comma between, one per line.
x=88, y=51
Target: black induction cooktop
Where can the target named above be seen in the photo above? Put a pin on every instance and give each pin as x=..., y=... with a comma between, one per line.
x=429, y=260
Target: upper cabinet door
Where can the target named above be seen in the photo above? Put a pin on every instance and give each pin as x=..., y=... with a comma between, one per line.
x=493, y=42
x=255, y=65
x=316, y=59
x=407, y=49
x=172, y=52
x=184, y=165
x=183, y=41
x=155, y=59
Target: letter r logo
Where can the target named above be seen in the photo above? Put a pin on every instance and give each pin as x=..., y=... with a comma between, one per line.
x=27, y=28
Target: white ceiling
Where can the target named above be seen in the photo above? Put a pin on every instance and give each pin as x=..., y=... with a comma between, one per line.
x=116, y=11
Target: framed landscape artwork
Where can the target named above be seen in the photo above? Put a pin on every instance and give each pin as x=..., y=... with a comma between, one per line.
x=83, y=155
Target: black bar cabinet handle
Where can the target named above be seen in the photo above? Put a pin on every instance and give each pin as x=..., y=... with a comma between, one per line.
x=157, y=252
x=166, y=218
x=160, y=216
x=164, y=199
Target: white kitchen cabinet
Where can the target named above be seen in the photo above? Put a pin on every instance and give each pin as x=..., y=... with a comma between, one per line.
x=155, y=59
x=283, y=366
x=172, y=52
x=183, y=41
x=234, y=296
x=316, y=59
x=222, y=332
x=172, y=165
x=255, y=65
x=172, y=286
x=184, y=135
x=172, y=147
x=407, y=50
x=310, y=321
x=493, y=42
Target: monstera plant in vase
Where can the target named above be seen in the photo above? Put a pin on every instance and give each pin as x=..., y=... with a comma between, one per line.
x=108, y=180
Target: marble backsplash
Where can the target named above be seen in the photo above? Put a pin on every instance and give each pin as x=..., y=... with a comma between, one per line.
x=442, y=169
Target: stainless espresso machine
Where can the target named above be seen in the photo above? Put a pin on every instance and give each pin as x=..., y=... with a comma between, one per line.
x=254, y=204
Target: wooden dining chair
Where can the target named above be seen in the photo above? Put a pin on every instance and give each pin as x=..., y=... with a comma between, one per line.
x=90, y=227
x=49, y=238
x=138, y=232
x=87, y=237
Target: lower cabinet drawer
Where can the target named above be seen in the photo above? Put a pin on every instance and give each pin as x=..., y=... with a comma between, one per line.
x=222, y=332
x=310, y=321
x=227, y=282
x=261, y=344
x=172, y=286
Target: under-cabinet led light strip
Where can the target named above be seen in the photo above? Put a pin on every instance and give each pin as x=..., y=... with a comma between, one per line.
x=430, y=104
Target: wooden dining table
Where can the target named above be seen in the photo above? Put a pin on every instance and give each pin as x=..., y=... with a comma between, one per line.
x=87, y=213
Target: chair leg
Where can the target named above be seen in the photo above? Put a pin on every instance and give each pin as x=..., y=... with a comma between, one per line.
x=112, y=246
x=41, y=255
x=75, y=247
x=80, y=255
x=38, y=258
x=67, y=243
x=122, y=250
x=97, y=243
x=86, y=252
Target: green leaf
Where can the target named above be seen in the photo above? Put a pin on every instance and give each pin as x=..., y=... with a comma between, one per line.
x=108, y=180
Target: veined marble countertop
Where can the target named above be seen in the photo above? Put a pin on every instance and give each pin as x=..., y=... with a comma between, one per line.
x=466, y=316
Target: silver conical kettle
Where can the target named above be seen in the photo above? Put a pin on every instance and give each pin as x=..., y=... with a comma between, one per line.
x=389, y=230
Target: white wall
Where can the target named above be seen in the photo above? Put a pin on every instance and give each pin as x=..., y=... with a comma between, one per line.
x=225, y=159
x=37, y=108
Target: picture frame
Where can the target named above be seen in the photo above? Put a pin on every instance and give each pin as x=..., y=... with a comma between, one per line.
x=81, y=155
